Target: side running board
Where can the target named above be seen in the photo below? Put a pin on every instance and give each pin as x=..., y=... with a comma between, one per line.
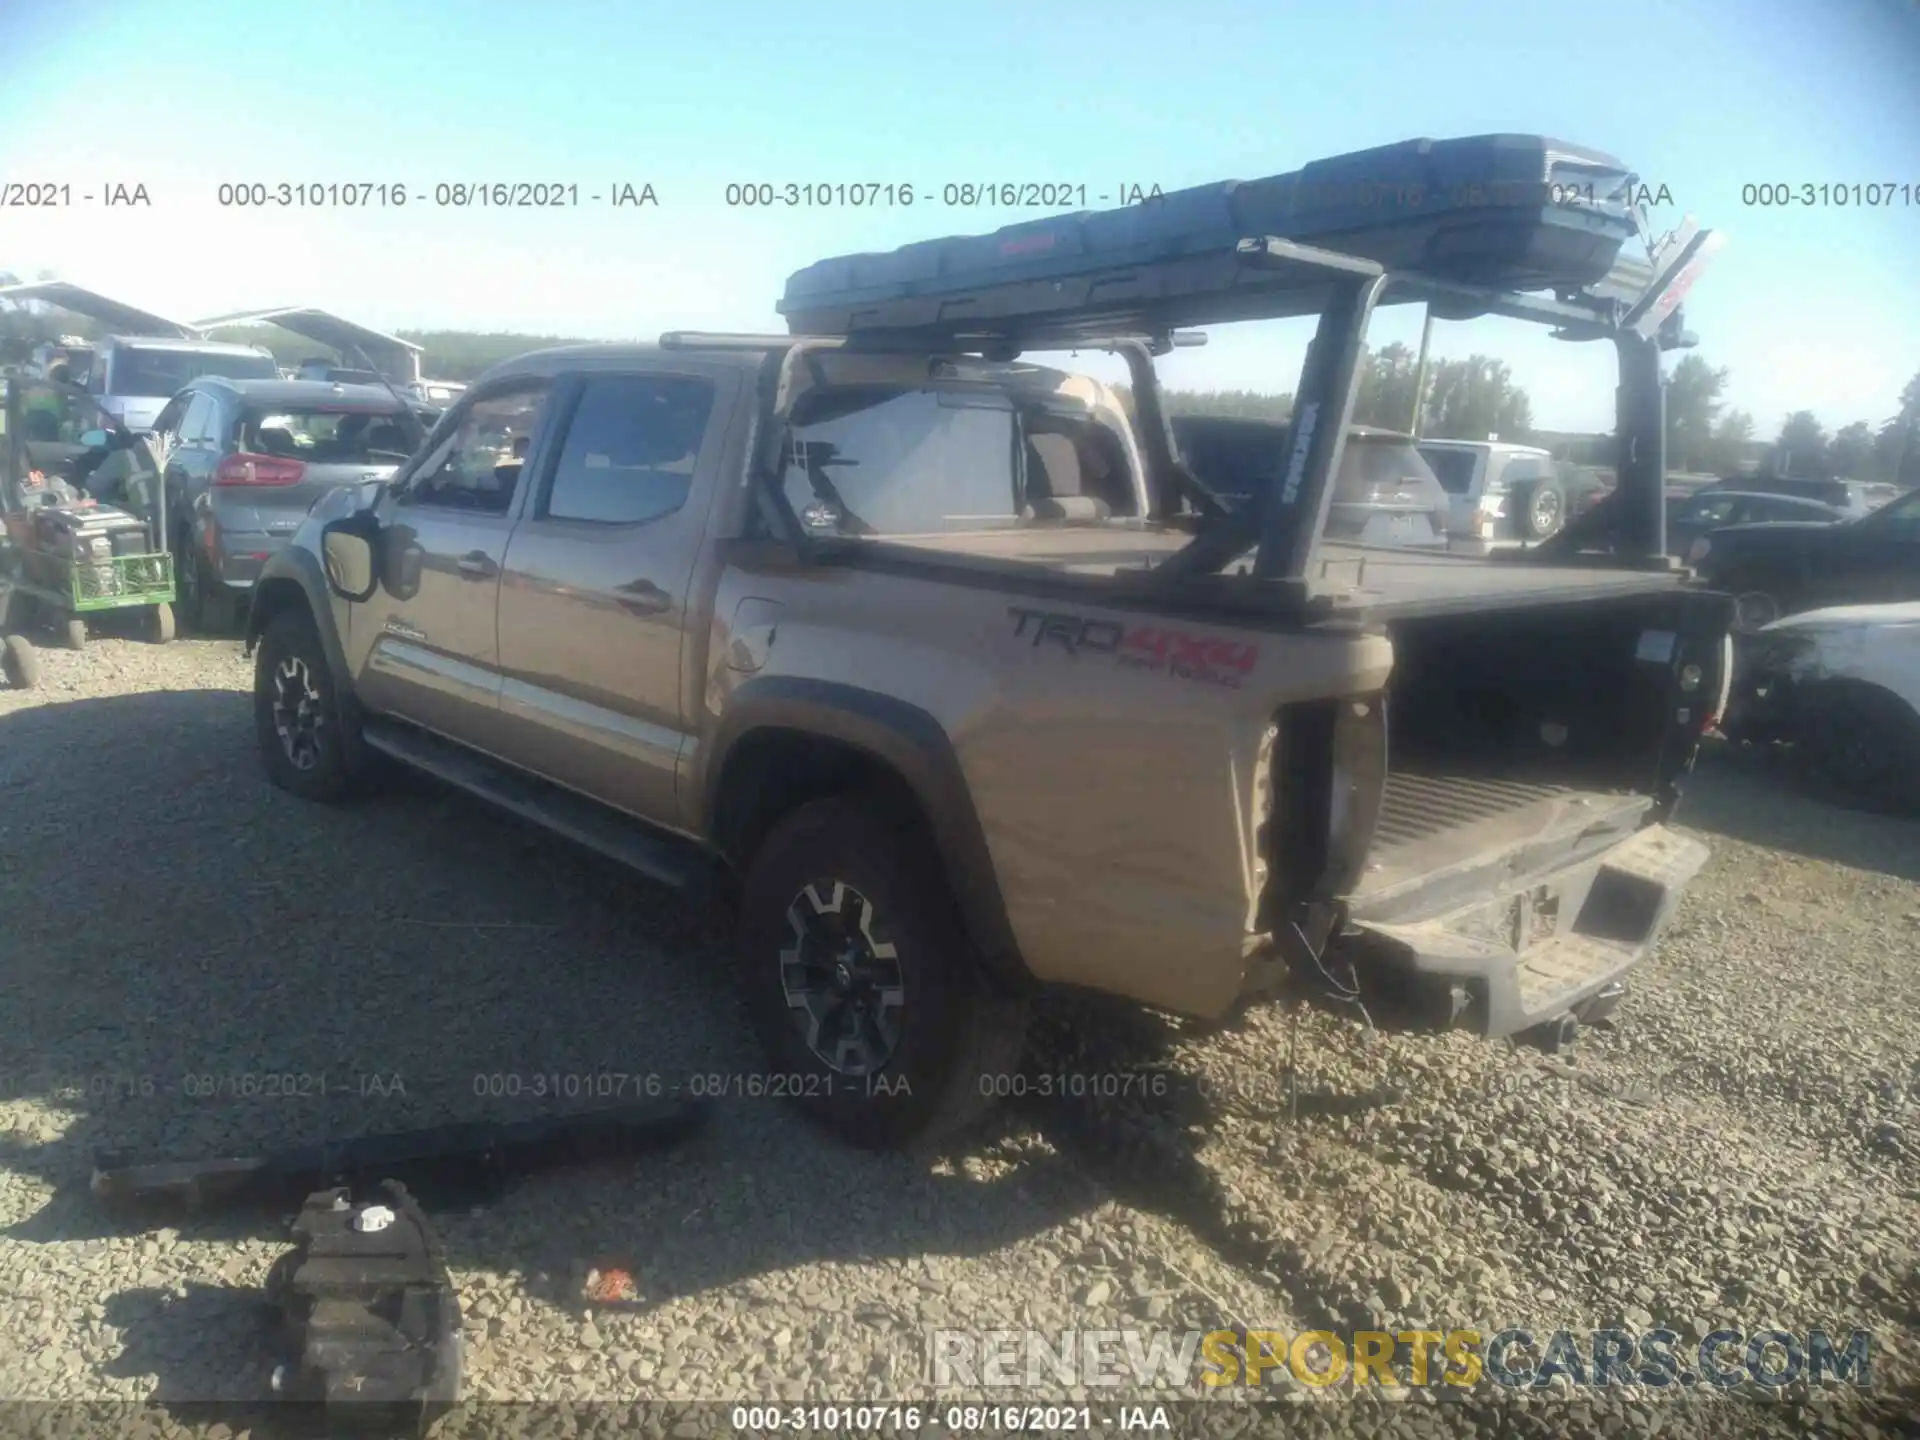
x=659, y=856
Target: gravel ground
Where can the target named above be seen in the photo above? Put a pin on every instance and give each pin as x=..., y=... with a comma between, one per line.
x=1740, y=1147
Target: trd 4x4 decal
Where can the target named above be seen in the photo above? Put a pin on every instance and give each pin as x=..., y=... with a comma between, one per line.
x=1185, y=656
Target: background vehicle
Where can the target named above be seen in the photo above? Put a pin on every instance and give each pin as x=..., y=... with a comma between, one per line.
x=135, y=375
x=337, y=374
x=19, y=665
x=1689, y=516
x=1507, y=492
x=246, y=459
x=436, y=393
x=76, y=354
x=1385, y=493
x=1841, y=685
x=1853, y=497
x=1783, y=568
x=71, y=559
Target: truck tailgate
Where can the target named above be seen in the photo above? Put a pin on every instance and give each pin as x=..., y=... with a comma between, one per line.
x=1477, y=830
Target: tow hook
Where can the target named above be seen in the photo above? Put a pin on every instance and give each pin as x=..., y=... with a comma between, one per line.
x=1553, y=1036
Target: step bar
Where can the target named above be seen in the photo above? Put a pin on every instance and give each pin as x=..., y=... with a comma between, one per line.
x=665, y=858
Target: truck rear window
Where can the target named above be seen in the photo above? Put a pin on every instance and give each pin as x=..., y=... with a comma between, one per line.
x=891, y=462
x=322, y=435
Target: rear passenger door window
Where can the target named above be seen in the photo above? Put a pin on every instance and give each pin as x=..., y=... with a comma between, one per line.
x=1452, y=468
x=1716, y=510
x=630, y=450
x=1524, y=470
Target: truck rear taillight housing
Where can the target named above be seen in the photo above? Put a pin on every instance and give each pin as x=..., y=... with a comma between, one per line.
x=242, y=469
x=1329, y=770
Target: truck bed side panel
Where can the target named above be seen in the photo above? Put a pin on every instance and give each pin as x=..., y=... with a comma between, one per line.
x=1115, y=756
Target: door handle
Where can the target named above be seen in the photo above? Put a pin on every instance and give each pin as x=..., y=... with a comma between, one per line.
x=478, y=565
x=642, y=597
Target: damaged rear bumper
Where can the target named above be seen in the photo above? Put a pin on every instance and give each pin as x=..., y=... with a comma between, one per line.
x=1557, y=944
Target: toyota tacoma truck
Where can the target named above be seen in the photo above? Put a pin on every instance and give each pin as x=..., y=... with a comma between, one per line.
x=965, y=686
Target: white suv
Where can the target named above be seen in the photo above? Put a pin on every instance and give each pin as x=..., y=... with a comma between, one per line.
x=1498, y=491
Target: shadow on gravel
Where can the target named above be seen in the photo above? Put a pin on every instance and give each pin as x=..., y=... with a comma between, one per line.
x=194, y=963
x=1748, y=797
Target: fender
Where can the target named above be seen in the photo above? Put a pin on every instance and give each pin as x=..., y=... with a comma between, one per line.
x=300, y=567
x=915, y=746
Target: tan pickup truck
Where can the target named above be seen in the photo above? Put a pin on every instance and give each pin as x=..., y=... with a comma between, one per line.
x=963, y=679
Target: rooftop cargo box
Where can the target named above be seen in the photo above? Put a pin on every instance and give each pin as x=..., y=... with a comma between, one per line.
x=1506, y=212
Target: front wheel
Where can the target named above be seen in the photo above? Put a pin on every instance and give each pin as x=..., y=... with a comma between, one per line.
x=296, y=711
x=874, y=1013
x=1861, y=748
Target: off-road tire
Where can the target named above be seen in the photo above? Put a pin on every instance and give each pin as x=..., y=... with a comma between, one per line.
x=73, y=631
x=290, y=665
x=960, y=1042
x=1543, y=509
x=19, y=662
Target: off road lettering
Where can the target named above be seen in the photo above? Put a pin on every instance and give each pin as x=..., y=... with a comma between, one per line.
x=1073, y=633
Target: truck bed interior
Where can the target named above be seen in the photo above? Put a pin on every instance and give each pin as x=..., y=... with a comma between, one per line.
x=1519, y=739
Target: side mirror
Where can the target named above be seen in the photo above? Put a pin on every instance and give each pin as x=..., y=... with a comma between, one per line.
x=350, y=550
x=94, y=439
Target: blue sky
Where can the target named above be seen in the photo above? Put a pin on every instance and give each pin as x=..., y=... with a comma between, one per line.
x=1807, y=307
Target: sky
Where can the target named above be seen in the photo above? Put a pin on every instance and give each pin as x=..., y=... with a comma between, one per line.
x=1808, y=307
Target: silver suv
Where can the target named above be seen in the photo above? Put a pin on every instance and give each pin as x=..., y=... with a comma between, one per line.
x=246, y=460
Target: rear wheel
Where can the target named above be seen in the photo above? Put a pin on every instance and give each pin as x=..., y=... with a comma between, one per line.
x=296, y=711
x=874, y=1012
x=19, y=662
x=205, y=604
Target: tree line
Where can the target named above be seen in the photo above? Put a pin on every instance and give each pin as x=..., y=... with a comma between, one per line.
x=1468, y=399
x=1475, y=398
